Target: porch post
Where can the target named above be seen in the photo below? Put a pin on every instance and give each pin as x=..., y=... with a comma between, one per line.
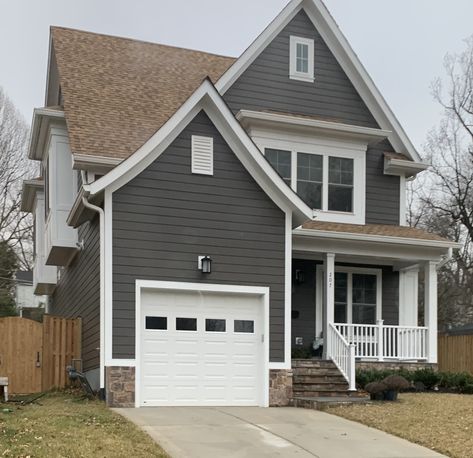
x=430, y=309
x=329, y=299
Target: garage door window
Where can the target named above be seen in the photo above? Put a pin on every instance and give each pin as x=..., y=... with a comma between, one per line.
x=244, y=326
x=156, y=322
x=186, y=324
x=212, y=325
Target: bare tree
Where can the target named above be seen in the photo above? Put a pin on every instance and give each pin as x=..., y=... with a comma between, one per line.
x=15, y=226
x=442, y=201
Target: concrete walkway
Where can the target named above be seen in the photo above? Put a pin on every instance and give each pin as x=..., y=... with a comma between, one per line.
x=247, y=432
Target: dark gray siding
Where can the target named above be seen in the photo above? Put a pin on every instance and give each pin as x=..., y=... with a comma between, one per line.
x=166, y=217
x=78, y=293
x=382, y=191
x=303, y=302
x=265, y=85
x=303, y=298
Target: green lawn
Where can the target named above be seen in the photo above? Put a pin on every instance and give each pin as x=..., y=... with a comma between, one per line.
x=65, y=425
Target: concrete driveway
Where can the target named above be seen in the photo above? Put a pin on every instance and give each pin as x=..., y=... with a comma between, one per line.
x=247, y=432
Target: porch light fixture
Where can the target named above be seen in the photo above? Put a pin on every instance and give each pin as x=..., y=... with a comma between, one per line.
x=205, y=264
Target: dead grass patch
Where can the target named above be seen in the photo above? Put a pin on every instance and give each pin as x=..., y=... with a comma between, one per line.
x=65, y=425
x=441, y=422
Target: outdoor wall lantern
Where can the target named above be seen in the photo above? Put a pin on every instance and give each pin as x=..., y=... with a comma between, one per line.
x=205, y=264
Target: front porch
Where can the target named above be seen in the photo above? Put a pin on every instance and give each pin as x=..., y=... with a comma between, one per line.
x=355, y=297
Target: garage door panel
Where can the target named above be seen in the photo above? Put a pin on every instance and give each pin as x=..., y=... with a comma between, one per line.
x=212, y=365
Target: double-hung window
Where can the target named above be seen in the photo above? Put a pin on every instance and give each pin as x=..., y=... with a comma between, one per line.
x=301, y=65
x=281, y=162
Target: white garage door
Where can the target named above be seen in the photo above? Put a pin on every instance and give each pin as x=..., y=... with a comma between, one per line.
x=201, y=348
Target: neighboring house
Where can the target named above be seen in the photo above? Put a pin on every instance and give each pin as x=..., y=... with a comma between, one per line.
x=206, y=215
x=24, y=293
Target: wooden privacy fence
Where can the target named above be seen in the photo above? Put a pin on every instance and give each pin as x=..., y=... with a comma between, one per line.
x=34, y=355
x=455, y=353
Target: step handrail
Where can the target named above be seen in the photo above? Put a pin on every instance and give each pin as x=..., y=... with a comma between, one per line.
x=342, y=354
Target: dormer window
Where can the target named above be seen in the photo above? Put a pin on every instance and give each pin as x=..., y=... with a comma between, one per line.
x=301, y=65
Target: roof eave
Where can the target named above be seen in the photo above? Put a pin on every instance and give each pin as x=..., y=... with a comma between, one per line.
x=445, y=244
x=28, y=194
x=393, y=166
x=42, y=117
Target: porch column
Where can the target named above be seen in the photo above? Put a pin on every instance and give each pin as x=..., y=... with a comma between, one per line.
x=329, y=298
x=430, y=309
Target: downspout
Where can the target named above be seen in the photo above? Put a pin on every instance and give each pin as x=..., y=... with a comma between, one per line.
x=101, y=213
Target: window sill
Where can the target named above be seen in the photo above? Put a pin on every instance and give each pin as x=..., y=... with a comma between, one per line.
x=302, y=77
x=339, y=217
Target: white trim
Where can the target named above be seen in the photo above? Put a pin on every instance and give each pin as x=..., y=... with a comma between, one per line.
x=122, y=362
x=430, y=309
x=42, y=118
x=393, y=166
x=108, y=278
x=294, y=74
x=207, y=98
x=375, y=238
x=219, y=288
x=326, y=148
x=288, y=294
x=313, y=126
x=402, y=201
x=350, y=270
x=347, y=58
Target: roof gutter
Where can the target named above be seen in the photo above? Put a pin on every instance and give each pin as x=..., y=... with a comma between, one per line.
x=42, y=117
x=376, y=238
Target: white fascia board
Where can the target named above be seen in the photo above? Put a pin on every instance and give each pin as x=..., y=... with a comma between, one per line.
x=375, y=238
x=41, y=119
x=402, y=167
x=258, y=45
x=99, y=164
x=208, y=99
x=247, y=117
x=346, y=57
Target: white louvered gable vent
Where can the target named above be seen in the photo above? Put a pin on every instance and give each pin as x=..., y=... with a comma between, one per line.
x=202, y=155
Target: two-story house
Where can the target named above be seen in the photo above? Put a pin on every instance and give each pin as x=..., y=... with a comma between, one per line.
x=207, y=216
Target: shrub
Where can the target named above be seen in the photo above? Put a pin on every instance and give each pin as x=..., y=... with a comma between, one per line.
x=301, y=353
x=457, y=381
x=396, y=383
x=375, y=387
x=428, y=377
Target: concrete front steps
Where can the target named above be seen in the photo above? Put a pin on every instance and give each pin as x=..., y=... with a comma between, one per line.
x=317, y=384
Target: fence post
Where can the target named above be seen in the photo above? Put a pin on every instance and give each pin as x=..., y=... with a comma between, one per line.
x=351, y=369
x=380, y=340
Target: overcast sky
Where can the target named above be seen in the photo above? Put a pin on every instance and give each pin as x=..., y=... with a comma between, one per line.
x=401, y=42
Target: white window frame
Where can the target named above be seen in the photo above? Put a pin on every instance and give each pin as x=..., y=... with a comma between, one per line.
x=293, y=73
x=349, y=271
x=328, y=148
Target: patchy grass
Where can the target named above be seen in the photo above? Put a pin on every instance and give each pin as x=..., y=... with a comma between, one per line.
x=65, y=425
x=441, y=422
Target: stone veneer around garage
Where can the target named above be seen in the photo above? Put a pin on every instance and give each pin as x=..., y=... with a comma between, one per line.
x=280, y=387
x=120, y=386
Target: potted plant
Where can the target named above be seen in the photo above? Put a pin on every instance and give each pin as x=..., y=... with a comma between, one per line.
x=376, y=390
x=393, y=384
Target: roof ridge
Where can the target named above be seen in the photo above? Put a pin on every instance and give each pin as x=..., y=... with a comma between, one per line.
x=136, y=40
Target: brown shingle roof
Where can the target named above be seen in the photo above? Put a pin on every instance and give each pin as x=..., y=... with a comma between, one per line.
x=118, y=92
x=375, y=229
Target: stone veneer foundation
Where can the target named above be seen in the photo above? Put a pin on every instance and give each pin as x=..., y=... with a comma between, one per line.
x=395, y=365
x=280, y=387
x=120, y=386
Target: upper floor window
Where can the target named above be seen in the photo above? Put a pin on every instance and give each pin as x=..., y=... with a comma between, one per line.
x=301, y=59
x=327, y=178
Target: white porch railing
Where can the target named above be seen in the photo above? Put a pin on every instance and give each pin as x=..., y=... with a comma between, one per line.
x=342, y=354
x=385, y=342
